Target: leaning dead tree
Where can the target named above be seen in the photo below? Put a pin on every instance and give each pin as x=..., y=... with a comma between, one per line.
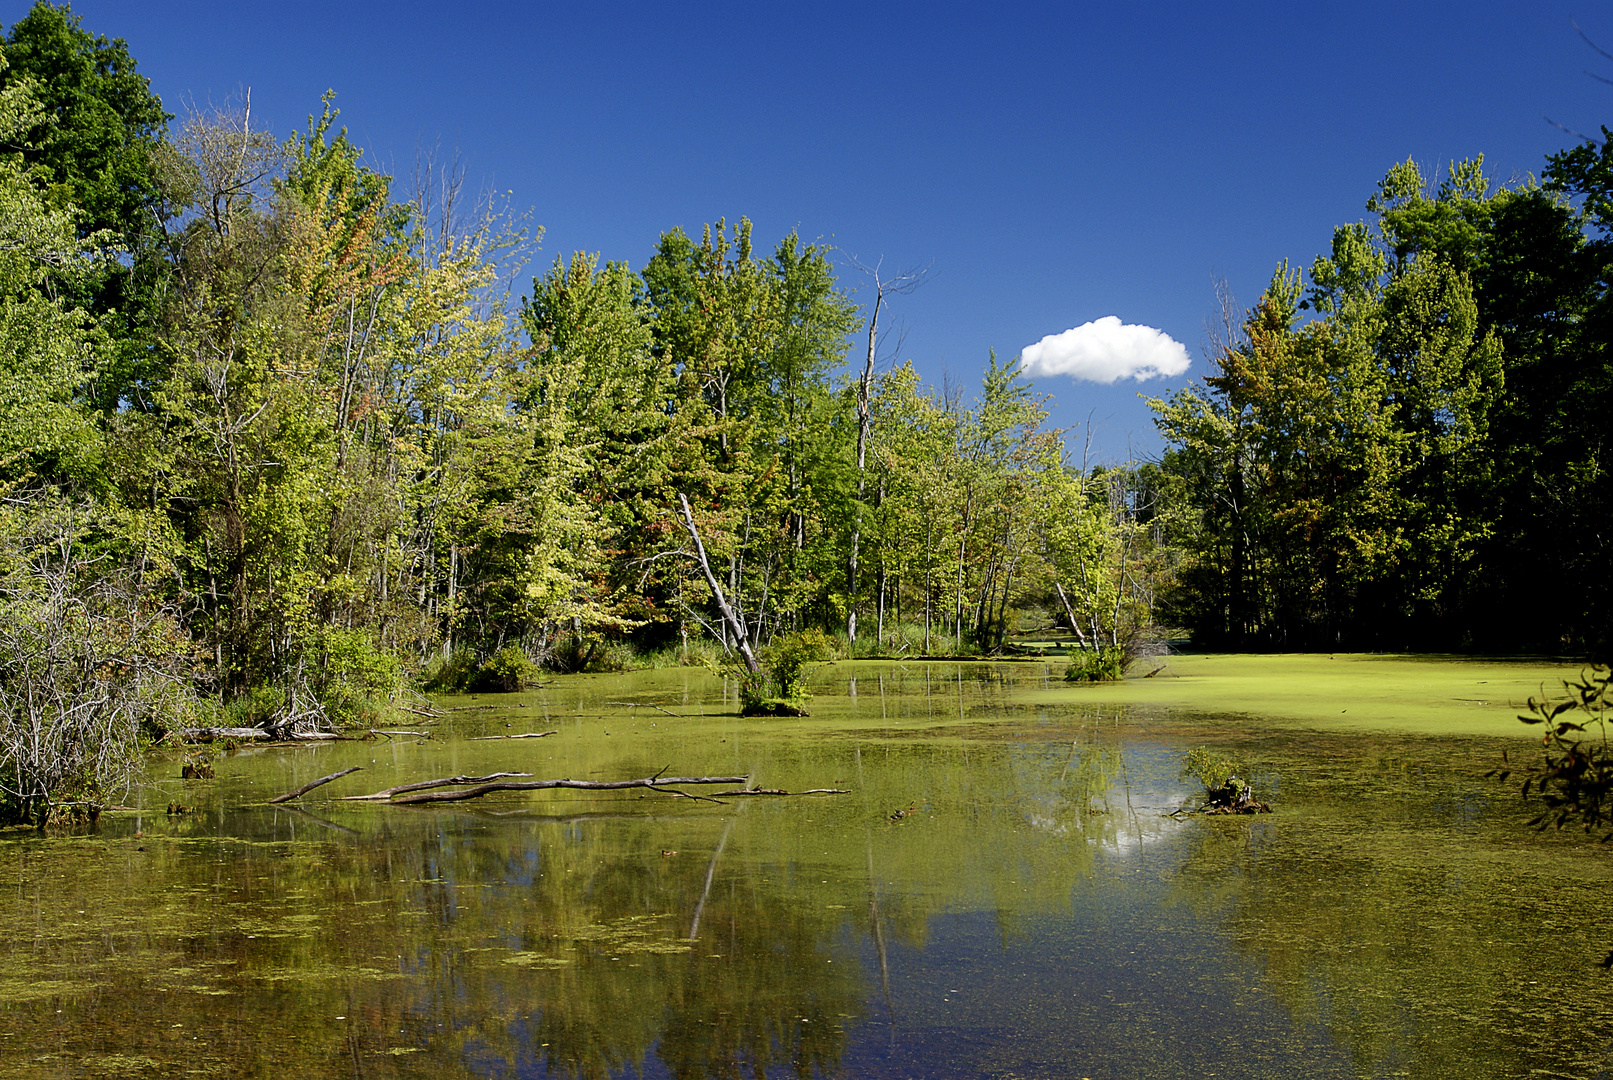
x=736, y=627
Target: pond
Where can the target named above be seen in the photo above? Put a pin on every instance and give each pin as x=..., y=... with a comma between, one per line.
x=1000, y=893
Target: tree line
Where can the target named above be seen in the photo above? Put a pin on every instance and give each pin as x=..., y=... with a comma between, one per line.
x=309, y=442
x=279, y=438
x=1406, y=446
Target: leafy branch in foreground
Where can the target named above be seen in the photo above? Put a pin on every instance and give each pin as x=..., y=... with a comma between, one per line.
x=1575, y=775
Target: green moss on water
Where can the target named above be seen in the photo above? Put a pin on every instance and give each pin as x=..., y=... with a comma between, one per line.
x=1000, y=894
x=1347, y=692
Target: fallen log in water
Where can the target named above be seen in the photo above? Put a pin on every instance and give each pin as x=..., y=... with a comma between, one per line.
x=422, y=785
x=208, y=734
x=306, y=788
x=652, y=782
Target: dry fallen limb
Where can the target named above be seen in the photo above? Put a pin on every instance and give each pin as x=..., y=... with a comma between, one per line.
x=643, y=705
x=527, y=735
x=422, y=785
x=657, y=783
x=780, y=791
x=306, y=788
x=389, y=734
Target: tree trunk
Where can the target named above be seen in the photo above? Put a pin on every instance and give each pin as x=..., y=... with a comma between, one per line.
x=730, y=620
x=863, y=423
x=1069, y=613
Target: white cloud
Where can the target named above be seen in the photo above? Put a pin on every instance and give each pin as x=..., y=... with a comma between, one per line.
x=1106, y=350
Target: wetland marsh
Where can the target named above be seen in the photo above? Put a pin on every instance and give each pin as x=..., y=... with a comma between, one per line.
x=1031, y=912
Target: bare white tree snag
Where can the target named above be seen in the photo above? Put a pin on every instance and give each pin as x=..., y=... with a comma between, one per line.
x=901, y=283
x=735, y=626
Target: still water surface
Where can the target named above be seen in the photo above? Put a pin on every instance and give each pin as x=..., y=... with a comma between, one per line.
x=1032, y=913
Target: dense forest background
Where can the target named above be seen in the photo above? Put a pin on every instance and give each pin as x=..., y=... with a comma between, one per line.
x=280, y=438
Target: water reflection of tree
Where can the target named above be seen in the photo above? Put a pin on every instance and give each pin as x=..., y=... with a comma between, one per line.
x=500, y=945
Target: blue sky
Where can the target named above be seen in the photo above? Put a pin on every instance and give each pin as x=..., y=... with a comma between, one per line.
x=1052, y=164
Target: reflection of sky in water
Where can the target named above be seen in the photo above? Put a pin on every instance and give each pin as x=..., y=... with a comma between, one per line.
x=1031, y=913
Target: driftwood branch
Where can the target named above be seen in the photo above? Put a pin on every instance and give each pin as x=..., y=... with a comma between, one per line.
x=643, y=705
x=422, y=785
x=526, y=735
x=658, y=783
x=306, y=788
x=779, y=791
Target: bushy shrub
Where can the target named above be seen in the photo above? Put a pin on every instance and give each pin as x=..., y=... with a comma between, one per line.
x=507, y=671
x=612, y=656
x=451, y=674
x=358, y=677
x=254, y=708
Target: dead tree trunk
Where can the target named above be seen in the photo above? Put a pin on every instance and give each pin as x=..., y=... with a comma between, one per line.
x=1069, y=613
x=741, y=639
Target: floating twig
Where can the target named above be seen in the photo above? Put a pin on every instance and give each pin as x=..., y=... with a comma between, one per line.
x=780, y=791
x=642, y=705
x=526, y=735
x=306, y=788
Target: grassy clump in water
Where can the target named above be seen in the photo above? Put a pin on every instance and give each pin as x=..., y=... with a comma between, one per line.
x=1225, y=792
x=779, y=689
x=1107, y=663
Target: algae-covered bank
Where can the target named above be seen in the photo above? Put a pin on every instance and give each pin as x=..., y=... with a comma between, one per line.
x=1000, y=894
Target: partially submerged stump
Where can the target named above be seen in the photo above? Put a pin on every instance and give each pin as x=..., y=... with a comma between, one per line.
x=1233, y=797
